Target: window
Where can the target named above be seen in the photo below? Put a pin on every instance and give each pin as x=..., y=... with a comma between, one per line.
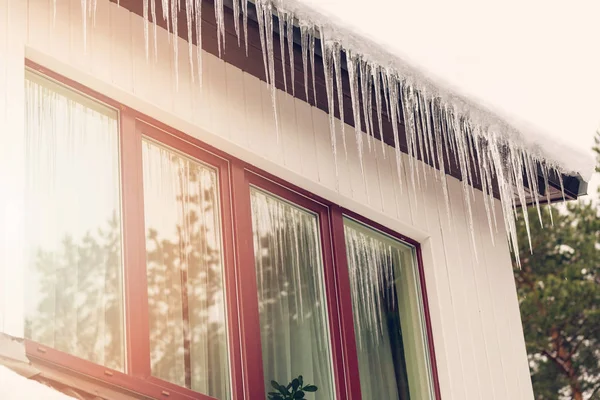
x=74, y=255
x=188, y=332
x=390, y=332
x=291, y=294
x=161, y=266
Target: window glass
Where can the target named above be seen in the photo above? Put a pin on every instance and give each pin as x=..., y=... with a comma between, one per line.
x=388, y=323
x=188, y=332
x=74, y=291
x=289, y=275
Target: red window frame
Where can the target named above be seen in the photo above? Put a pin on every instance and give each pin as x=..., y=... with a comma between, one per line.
x=235, y=179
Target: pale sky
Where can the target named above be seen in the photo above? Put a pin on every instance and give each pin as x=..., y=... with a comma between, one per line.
x=536, y=60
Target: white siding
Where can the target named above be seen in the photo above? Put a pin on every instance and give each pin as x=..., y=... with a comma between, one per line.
x=474, y=311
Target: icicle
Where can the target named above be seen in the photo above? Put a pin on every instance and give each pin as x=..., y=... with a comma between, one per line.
x=364, y=90
x=220, y=20
x=352, y=62
x=377, y=89
x=245, y=23
x=289, y=23
x=155, y=27
x=189, y=13
x=175, y=26
x=198, y=19
x=337, y=64
x=236, y=19
x=327, y=55
x=281, y=17
x=304, y=38
x=265, y=22
x=146, y=28
x=166, y=17
x=312, y=63
x=394, y=114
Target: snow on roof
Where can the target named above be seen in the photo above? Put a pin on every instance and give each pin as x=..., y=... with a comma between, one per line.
x=529, y=69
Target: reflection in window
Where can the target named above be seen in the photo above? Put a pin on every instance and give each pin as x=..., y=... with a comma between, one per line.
x=74, y=295
x=291, y=295
x=188, y=335
x=390, y=338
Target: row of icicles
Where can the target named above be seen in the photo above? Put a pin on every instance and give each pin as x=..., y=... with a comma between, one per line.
x=435, y=130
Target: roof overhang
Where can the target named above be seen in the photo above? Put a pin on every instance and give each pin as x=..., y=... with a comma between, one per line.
x=553, y=187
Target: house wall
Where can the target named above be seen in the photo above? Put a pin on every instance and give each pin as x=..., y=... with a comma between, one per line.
x=475, y=317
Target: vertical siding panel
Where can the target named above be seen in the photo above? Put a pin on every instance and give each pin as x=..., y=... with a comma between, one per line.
x=201, y=98
x=5, y=166
x=496, y=283
x=490, y=324
x=372, y=177
x=235, y=99
x=508, y=292
x=306, y=140
x=217, y=89
x=101, y=35
x=12, y=47
x=182, y=99
x=400, y=187
x=452, y=250
x=288, y=132
x=325, y=159
x=346, y=172
x=472, y=261
x=120, y=45
x=141, y=67
x=254, y=115
x=39, y=19
x=443, y=323
x=273, y=146
x=60, y=31
x=79, y=38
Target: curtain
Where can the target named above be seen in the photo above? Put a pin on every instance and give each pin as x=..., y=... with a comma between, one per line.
x=188, y=331
x=389, y=328
x=74, y=290
x=289, y=274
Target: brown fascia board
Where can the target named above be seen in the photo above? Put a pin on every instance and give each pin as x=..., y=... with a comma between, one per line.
x=252, y=63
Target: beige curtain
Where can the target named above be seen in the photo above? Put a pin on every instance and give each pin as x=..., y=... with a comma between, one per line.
x=188, y=330
x=289, y=274
x=387, y=308
x=74, y=290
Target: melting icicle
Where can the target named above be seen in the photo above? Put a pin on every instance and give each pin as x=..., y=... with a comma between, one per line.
x=437, y=130
x=198, y=18
x=312, y=64
x=304, y=38
x=289, y=23
x=220, y=19
x=281, y=16
x=337, y=64
x=327, y=54
x=245, y=23
x=236, y=19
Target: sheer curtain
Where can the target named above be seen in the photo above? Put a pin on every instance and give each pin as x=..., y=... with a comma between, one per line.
x=289, y=274
x=386, y=302
x=188, y=331
x=74, y=292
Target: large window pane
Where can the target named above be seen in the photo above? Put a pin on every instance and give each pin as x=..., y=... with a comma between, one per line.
x=188, y=332
x=291, y=295
x=74, y=292
x=388, y=323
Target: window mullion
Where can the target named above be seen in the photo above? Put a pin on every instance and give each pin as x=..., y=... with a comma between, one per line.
x=344, y=297
x=136, y=294
x=253, y=375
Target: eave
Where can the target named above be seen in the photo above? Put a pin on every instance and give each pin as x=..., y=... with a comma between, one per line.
x=571, y=187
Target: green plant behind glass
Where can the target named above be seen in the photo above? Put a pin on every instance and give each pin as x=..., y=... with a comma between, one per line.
x=294, y=390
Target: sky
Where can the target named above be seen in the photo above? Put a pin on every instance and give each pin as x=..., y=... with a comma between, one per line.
x=537, y=61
